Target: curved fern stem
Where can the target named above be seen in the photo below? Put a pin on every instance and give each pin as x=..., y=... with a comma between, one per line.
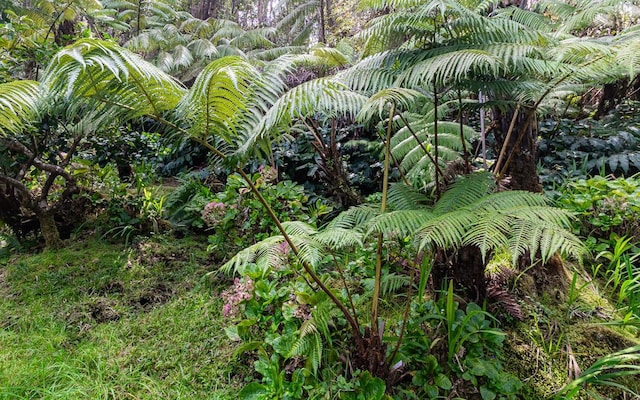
x=350, y=318
x=346, y=288
x=465, y=153
x=383, y=207
x=507, y=138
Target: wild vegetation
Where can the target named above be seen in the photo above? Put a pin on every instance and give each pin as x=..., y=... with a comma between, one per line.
x=321, y=199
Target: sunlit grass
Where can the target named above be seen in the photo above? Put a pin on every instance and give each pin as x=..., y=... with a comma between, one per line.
x=73, y=325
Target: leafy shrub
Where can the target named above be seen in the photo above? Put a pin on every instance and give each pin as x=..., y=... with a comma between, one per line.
x=604, y=206
x=444, y=342
x=127, y=208
x=184, y=205
x=590, y=147
x=237, y=214
x=278, y=315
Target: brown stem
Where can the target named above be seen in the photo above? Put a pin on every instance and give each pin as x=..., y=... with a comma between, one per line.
x=383, y=208
x=521, y=135
x=465, y=154
x=29, y=201
x=19, y=147
x=505, y=144
x=402, y=175
x=52, y=177
x=435, y=134
x=346, y=287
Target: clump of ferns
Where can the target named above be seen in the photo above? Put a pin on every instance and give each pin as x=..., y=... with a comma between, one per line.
x=469, y=213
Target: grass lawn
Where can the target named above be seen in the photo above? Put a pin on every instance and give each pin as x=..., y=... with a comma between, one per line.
x=98, y=320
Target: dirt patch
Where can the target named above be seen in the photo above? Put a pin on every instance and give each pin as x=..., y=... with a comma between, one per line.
x=112, y=287
x=103, y=310
x=98, y=310
x=154, y=296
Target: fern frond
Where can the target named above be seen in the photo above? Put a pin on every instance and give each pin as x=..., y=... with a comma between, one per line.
x=464, y=192
x=339, y=238
x=378, y=104
x=263, y=251
x=389, y=283
x=401, y=222
x=18, y=105
x=102, y=76
x=218, y=97
x=299, y=228
x=446, y=230
x=403, y=197
x=354, y=217
x=319, y=95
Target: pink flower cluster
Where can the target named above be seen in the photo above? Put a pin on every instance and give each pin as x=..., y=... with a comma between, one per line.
x=213, y=213
x=241, y=290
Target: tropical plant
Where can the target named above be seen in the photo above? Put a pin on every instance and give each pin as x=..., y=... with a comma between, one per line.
x=226, y=110
x=471, y=47
x=34, y=181
x=445, y=341
x=31, y=32
x=466, y=218
x=572, y=149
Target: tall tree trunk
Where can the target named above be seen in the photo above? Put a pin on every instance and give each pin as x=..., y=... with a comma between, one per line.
x=321, y=23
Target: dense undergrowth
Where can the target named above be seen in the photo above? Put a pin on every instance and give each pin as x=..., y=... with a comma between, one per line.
x=152, y=316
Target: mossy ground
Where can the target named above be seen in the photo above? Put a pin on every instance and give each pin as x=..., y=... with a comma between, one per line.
x=567, y=328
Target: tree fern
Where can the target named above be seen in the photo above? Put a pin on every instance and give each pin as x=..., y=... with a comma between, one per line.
x=218, y=97
x=319, y=95
x=464, y=192
x=403, y=197
x=403, y=223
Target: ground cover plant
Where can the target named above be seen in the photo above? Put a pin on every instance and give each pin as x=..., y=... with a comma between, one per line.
x=449, y=275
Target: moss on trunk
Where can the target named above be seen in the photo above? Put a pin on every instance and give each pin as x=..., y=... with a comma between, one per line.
x=49, y=230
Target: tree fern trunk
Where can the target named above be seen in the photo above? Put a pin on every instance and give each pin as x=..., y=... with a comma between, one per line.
x=465, y=267
x=521, y=150
x=321, y=23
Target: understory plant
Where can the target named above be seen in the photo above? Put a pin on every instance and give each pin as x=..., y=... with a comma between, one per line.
x=466, y=215
x=607, y=371
x=454, y=351
x=604, y=206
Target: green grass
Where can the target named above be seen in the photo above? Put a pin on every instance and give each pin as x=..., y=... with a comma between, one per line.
x=98, y=321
